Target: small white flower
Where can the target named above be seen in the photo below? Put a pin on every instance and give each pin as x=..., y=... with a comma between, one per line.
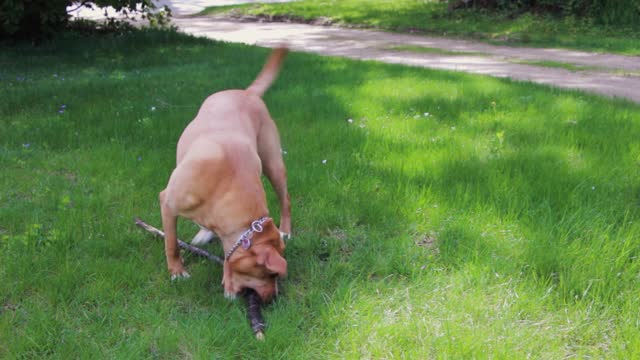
x=426, y=114
x=593, y=188
x=153, y=108
x=416, y=116
x=362, y=126
x=350, y=121
x=324, y=161
x=453, y=128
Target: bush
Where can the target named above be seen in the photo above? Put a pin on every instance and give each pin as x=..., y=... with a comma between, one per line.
x=38, y=19
x=32, y=18
x=608, y=12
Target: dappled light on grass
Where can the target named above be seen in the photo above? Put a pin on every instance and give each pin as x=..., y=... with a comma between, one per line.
x=501, y=181
x=396, y=318
x=559, y=171
x=434, y=213
x=510, y=179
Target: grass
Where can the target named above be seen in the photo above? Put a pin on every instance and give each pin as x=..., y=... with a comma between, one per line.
x=432, y=17
x=559, y=65
x=502, y=224
x=543, y=63
x=574, y=67
x=436, y=51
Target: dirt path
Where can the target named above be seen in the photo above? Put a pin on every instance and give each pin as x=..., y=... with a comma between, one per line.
x=605, y=74
x=612, y=75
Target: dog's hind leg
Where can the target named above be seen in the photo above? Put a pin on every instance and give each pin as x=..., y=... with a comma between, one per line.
x=277, y=175
x=204, y=236
x=270, y=152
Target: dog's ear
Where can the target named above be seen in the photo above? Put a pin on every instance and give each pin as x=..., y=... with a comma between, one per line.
x=274, y=262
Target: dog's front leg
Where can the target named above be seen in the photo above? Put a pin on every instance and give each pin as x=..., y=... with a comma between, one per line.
x=171, y=249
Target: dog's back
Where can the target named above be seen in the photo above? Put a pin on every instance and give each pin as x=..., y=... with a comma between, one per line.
x=220, y=176
x=234, y=111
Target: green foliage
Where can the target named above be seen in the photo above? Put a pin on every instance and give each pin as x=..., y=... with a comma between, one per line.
x=38, y=19
x=609, y=12
x=32, y=19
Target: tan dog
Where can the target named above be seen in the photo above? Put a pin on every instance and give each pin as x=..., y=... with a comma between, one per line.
x=216, y=183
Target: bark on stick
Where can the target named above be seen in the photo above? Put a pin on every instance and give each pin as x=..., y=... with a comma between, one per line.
x=195, y=250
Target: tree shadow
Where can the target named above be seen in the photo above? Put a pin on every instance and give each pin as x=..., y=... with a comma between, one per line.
x=357, y=215
x=552, y=178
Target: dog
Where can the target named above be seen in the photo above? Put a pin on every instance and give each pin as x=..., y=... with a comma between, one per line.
x=221, y=156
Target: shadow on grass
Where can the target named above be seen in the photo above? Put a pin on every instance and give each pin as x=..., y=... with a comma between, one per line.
x=93, y=165
x=555, y=174
x=357, y=216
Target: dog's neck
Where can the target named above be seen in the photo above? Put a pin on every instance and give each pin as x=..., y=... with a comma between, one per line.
x=246, y=239
x=231, y=238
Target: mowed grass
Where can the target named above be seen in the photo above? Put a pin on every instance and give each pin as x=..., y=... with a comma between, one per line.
x=432, y=17
x=438, y=51
x=455, y=216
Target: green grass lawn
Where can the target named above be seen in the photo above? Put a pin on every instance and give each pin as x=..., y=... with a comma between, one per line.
x=437, y=51
x=456, y=216
x=542, y=63
x=433, y=18
x=559, y=65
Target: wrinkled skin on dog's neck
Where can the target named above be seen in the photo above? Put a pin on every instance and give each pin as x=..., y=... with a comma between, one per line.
x=257, y=267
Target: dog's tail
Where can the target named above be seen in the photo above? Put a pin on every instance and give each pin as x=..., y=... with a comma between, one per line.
x=269, y=72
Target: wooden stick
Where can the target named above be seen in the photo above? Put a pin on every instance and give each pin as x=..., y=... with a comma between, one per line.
x=195, y=250
x=254, y=313
x=254, y=303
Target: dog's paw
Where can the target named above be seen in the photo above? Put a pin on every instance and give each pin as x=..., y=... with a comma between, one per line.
x=180, y=276
x=229, y=295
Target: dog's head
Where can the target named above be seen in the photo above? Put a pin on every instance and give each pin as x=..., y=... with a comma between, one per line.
x=257, y=267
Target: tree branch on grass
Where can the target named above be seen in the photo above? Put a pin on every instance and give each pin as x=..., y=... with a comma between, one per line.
x=254, y=311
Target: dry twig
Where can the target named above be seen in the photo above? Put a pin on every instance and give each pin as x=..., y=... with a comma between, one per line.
x=193, y=249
